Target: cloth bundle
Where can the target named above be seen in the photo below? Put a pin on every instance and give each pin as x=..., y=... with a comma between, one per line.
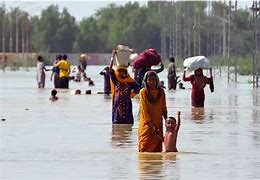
x=147, y=59
x=196, y=62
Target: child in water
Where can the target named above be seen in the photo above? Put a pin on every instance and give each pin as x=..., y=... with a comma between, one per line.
x=181, y=86
x=78, y=74
x=91, y=83
x=77, y=91
x=88, y=92
x=162, y=85
x=171, y=134
x=53, y=95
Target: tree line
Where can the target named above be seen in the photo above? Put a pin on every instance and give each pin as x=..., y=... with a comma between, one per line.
x=174, y=28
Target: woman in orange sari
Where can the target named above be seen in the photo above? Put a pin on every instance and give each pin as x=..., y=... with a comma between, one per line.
x=152, y=108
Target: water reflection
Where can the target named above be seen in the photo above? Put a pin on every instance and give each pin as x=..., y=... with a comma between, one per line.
x=233, y=100
x=155, y=165
x=256, y=97
x=228, y=140
x=256, y=117
x=197, y=114
x=121, y=135
x=150, y=165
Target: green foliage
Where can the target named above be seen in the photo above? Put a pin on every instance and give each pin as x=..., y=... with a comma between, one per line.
x=245, y=66
x=88, y=38
x=54, y=31
x=66, y=33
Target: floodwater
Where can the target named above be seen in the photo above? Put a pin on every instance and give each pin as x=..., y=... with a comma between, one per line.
x=73, y=138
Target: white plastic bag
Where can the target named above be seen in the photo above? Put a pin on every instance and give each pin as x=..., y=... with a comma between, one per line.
x=196, y=62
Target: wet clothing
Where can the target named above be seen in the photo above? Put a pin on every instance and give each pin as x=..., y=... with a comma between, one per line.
x=56, y=72
x=107, y=86
x=140, y=76
x=40, y=77
x=151, y=111
x=64, y=66
x=121, y=98
x=198, y=84
x=64, y=82
x=83, y=64
x=172, y=79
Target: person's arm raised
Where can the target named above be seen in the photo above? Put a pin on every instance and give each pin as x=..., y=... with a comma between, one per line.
x=52, y=73
x=211, y=84
x=184, y=73
x=112, y=60
x=210, y=72
x=178, y=122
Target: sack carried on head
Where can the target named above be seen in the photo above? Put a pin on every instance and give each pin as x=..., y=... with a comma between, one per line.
x=122, y=56
x=147, y=59
x=196, y=62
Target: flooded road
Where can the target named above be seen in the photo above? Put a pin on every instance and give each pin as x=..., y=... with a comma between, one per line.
x=73, y=138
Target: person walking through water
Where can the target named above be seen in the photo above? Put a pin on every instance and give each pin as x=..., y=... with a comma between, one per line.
x=40, y=77
x=121, y=86
x=64, y=66
x=172, y=79
x=152, y=109
x=55, y=72
x=107, y=86
x=83, y=61
x=198, y=81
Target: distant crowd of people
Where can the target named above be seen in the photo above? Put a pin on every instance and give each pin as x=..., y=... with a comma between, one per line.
x=123, y=87
x=61, y=71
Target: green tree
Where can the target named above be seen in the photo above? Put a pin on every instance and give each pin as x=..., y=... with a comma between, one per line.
x=105, y=17
x=45, y=30
x=88, y=38
x=54, y=31
x=66, y=32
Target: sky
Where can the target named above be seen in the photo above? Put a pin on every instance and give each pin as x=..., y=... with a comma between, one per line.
x=79, y=8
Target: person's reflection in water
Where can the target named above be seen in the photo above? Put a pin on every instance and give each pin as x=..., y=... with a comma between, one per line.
x=150, y=165
x=121, y=135
x=155, y=165
x=171, y=156
x=197, y=114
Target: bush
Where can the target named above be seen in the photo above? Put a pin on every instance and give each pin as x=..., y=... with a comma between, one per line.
x=245, y=66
